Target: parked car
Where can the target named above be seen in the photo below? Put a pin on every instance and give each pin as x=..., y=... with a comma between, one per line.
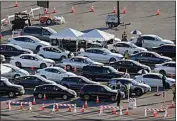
x=166, y=50
x=101, y=73
x=54, y=53
x=166, y=68
x=54, y=73
x=31, y=60
x=76, y=82
x=151, y=41
x=9, y=50
x=2, y=58
x=43, y=33
x=55, y=91
x=31, y=81
x=131, y=66
x=121, y=47
x=135, y=87
x=12, y=90
x=15, y=72
x=101, y=55
x=79, y=62
x=154, y=80
x=28, y=42
x=150, y=58
x=91, y=91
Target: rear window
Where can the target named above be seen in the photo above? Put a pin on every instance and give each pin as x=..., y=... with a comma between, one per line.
x=31, y=30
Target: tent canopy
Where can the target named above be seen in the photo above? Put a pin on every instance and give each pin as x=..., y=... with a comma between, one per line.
x=97, y=35
x=67, y=34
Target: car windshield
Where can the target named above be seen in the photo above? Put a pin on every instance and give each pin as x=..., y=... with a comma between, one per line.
x=51, y=30
x=62, y=87
x=107, y=51
x=39, y=57
x=42, y=78
x=85, y=79
x=133, y=45
x=112, y=69
x=156, y=54
x=107, y=88
x=90, y=60
x=134, y=82
x=159, y=38
x=17, y=47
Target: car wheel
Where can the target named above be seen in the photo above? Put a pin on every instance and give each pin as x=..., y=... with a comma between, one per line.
x=43, y=65
x=65, y=97
x=40, y=96
x=68, y=67
x=112, y=60
x=86, y=97
x=62, y=57
x=38, y=47
x=114, y=51
x=11, y=94
x=43, y=76
x=113, y=98
x=138, y=92
x=162, y=72
x=18, y=64
x=48, y=22
x=16, y=76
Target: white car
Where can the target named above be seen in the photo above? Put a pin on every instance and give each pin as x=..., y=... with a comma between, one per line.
x=154, y=80
x=54, y=73
x=54, y=53
x=101, y=55
x=79, y=62
x=31, y=60
x=121, y=47
x=28, y=42
x=166, y=68
x=151, y=41
x=15, y=72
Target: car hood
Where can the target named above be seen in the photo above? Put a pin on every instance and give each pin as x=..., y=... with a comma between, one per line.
x=49, y=60
x=17, y=86
x=116, y=55
x=168, y=41
x=44, y=43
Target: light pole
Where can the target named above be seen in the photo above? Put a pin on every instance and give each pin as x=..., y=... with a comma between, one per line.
x=118, y=13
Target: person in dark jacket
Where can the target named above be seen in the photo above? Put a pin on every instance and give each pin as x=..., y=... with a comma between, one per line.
x=140, y=41
x=118, y=96
x=124, y=36
x=163, y=82
x=174, y=91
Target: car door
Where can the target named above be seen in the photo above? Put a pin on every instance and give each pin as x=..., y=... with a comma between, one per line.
x=3, y=88
x=171, y=68
x=29, y=82
x=45, y=35
x=20, y=41
x=142, y=58
x=53, y=74
x=50, y=91
x=31, y=44
x=127, y=47
x=100, y=56
x=35, y=61
x=12, y=51
x=58, y=92
x=26, y=61
x=119, y=48
x=76, y=83
x=149, y=42
x=152, y=59
x=101, y=92
x=76, y=62
x=152, y=80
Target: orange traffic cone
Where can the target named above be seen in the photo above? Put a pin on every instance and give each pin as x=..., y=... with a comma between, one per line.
x=57, y=108
x=155, y=114
x=83, y=109
x=124, y=10
x=16, y=4
x=114, y=10
x=92, y=9
x=21, y=106
x=126, y=112
x=34, y=101
x=72, y=10
x=172, y=105
x=44, y=97
x=43, y=107
x=69, y=109
x=46, y=11
x=114, y=111
x=86, y=104
x=158, y=12
x=75, y=69
x=54, y=10
x=97, y=100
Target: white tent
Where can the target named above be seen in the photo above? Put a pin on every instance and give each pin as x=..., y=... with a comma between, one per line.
x=97, y=35
x=67, y=34
x=5, y=70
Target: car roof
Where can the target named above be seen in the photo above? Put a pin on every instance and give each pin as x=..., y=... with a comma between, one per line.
x=80, y=57
x=129, y=79
x=54, y=67
x=33, y=27
x=158, y=74
x=96, y=48
x=28, y=36
x=31, y=54
x=151, y=35
x=45, y=85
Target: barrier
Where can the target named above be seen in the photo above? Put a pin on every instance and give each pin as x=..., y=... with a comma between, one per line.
x=31, y=13
x=110, y=107
x=154, y=110
x=132, y=103
x=14, y=102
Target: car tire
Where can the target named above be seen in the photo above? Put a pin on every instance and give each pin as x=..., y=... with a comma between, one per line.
x=112, y=60
x=65, y=97
x=162, y=72
x=138, y=92
x=63, y=57
x=38, y=47
x=43, y=76
x=86, y=97
x=68, y=67
x=43, y=65
x=18, y=64
x=113, y=98
x=40, y=96
x=16, y=76
x=48, y=22
x=11, y=94
x=114, y=51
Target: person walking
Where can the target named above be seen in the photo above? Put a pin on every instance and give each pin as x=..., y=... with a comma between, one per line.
x=174, y=91
x=163, y=82
x=118, y=96
x=124, y=36
x=126, y=55
x=140, y=41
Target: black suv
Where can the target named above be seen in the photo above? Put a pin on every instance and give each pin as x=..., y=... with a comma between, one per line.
x=12, y=90
x=9, y=50
x=131, y=66
x=91, y=91
x=101, y=73
x=55, y=91
x=43, y=33
x=76, y=82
